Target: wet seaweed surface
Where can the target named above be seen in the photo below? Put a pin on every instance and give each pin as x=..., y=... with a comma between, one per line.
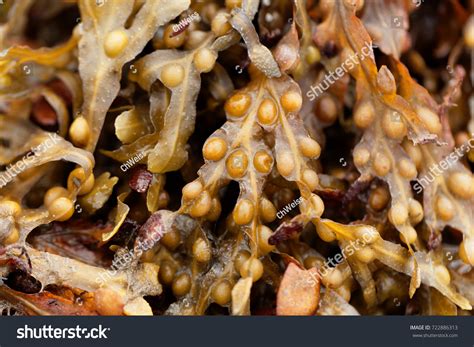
x=237, y=157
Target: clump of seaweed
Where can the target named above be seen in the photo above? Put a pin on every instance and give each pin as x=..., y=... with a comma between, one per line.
x=154, y=167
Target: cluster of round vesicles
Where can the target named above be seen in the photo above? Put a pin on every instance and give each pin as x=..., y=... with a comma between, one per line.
x=57, y=200
x=238, y=161
x=340, y=277
x=403, y=213
x=10, y=211
x=374, y=155
x=461, y=185
x=460, y=190
x=200, y=201
x=294, y=149
x=392, y=122
x=178, y=277
x=247, y=111
x=173, y=74
x=173, y=272
x=60, y=201
x=220, y=24
x=238, y=152
x=408, y=163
